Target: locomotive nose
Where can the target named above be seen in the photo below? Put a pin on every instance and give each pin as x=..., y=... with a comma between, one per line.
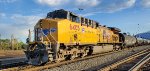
x=36, y=54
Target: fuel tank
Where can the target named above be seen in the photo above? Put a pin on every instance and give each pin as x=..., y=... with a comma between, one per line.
x=102, y=49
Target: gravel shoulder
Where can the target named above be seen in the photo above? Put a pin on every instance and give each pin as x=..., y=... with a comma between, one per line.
x=11, y=53
x=98, y=62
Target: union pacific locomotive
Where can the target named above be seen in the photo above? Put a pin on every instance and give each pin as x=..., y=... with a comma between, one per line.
x=64, y=35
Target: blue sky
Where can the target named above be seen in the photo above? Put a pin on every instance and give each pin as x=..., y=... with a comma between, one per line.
x=17, y=16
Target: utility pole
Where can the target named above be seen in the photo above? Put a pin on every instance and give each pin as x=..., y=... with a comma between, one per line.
x=139, y=30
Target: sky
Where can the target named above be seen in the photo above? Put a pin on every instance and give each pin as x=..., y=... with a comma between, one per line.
x=18, y=16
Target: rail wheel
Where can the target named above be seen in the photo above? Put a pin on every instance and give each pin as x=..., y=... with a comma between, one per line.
x=60, y=58
x=83, y=54
x=74, y=55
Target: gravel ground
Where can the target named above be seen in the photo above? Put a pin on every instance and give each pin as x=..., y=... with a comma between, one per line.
x=146, y=67
x=11, y=53
x=98, y=62
x=128, y=65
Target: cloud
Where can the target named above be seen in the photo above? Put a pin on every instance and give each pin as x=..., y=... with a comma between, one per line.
x=24, y=20
x=87, y=3
x=18, y=25
x=52, y=2
x=145, y=3
x=110, y=6
x=2, y=15
x=12, y=29
x=88, y=14
x=119, y=5
x=72, y=3
x=7, y=1
x=91, y=6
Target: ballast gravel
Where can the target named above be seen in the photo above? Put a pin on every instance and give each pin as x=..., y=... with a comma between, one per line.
x=98, y=62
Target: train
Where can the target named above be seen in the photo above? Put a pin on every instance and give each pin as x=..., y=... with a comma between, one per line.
x=64, y=35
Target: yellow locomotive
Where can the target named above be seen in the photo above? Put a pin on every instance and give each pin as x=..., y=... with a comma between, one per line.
x=65, y=35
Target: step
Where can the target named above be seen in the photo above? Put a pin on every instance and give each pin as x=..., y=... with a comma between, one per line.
x=49, y=52
x=49, y=48
x=50, y=56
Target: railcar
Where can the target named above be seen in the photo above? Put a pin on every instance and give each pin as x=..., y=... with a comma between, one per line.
x=145, y=41
x=148, y=41
x=140, y=41
x=128, y=40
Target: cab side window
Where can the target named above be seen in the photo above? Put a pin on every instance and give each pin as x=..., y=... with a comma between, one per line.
x=74, y=18
x=82, y=20
x=90, y=22
x=86, y=21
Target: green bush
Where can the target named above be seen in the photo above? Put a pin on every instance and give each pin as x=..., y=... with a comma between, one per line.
x=6, y=44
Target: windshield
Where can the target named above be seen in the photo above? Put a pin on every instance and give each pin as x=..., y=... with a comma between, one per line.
x=38, y=34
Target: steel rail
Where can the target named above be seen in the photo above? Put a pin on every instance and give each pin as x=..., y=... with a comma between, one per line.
x=114, y=65
x=140, y=63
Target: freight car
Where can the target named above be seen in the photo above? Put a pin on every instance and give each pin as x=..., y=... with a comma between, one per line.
x=64, y=35
x=141, y=41
x=132, y=41
x=128, y=40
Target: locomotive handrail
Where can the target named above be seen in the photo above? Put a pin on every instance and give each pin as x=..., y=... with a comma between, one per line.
x=48, y=38
x=53, y=37
x=45, y=35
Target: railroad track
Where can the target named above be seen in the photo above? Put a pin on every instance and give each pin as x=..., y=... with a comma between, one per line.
x=145, y=67
x=51, y=65
x=141, y=63
x=12, y=62
x=129, y=63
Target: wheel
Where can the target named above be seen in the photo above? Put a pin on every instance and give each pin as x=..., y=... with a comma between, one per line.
x=60, y=58
x=73, y=56
x=83, y=54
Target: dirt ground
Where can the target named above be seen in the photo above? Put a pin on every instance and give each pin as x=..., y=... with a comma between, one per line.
x=11, y=53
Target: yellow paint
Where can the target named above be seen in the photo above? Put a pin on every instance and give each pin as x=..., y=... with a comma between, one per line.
x=71, y=32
